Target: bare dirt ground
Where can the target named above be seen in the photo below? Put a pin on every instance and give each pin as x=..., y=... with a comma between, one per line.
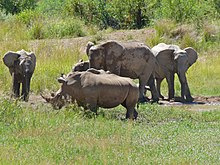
x=200, y=103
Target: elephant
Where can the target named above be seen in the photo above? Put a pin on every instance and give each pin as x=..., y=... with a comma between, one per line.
x=128, y=59
x=81, y=66
x=96, y=88
x=21, y=65
x=170, y=60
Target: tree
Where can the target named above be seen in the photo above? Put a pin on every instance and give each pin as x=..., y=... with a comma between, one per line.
x=16, y=6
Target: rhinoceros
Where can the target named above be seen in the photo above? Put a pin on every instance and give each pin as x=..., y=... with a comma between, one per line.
x=96, y=88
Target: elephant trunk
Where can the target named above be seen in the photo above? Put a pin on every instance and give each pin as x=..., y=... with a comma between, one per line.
x=26, y=87
x=185, y=91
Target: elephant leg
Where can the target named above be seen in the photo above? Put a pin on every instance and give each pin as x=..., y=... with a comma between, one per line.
x=142, y=83
x=25, y=88
x=170, y=82
x=154, y=92
x=158, y=80
x=189, y=98
x=15, y=86
x=185, y=92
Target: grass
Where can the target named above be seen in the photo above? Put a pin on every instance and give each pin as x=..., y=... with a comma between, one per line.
x=161, y=135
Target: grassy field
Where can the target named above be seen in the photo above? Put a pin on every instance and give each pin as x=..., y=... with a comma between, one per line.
x=161, y=135
x=34, y=133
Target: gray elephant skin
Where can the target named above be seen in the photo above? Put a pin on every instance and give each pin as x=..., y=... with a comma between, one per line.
x=128, y=59
x=21, y=66
x=95, y=88
x=170, y=60
x=81, y=66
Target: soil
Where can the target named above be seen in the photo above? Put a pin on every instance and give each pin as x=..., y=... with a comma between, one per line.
x=200, y=103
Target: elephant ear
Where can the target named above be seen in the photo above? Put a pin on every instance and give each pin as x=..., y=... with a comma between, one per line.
x=113, y=51
x=164, y=55
x=33, y=59
x=10, y=57
x=192, y=55
x=88, y=46
x=166, y=58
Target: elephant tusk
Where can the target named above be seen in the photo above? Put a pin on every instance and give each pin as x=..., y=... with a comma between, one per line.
x=21, y=62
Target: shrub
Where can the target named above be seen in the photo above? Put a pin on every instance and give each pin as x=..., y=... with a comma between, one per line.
x=64, y=28
x=14, y=7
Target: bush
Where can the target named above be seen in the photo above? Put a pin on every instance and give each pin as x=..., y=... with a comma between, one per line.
x=64, y=28
x=15, y=7
x=190, y=11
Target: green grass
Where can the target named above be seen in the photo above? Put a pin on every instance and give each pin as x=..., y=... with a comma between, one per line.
x=161, y=135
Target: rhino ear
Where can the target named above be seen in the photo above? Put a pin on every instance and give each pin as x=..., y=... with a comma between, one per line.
x=192, y=55
x=61, y=80
x=73, y=78
x=10, y=57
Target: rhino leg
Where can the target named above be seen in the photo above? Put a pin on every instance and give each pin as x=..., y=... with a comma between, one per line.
x=131, y=113
x=93, y=108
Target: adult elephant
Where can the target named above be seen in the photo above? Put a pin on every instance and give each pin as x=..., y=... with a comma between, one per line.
x=171, y=59
x=21, y=66
x=127, y=59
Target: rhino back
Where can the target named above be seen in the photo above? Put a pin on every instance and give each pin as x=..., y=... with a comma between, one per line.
x=107, y=90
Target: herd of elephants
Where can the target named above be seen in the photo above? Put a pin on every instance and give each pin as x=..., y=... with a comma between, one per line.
x=106, y=79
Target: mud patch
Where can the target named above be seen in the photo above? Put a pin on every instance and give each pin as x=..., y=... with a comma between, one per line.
x=200, y=103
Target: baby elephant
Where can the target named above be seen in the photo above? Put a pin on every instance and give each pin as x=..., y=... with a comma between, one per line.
x=81, y=66
x=95, y=88
x=21, y=66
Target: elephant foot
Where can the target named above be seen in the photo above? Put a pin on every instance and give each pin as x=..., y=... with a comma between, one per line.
x=189, y=99
x=173, y=99
x=143, y=100
x=162, y=97
x=155, y=100
x=14, y=96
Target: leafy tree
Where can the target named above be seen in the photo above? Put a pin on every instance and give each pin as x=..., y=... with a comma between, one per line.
x=16, y=6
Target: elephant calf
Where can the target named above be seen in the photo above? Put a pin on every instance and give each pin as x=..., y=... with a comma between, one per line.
x=170, y=60
x=96, y=88
x=81, y=66
x=21, y=66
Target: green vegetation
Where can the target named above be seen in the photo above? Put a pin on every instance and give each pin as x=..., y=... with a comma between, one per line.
x=161, y=135
x=34, y=133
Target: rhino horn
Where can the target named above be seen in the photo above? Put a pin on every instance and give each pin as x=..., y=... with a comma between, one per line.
x=48, y=99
